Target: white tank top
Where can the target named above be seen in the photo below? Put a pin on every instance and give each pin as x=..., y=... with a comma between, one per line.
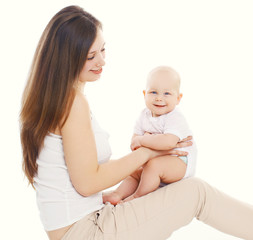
x=59, y=203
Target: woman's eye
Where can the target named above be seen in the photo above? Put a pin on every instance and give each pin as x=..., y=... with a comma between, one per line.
x=90, y=58
x=103, y=50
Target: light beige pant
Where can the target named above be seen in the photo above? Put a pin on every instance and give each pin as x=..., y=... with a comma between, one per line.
x=157, y=215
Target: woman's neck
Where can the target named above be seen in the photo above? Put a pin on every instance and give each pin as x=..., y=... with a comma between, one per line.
x=80, y=87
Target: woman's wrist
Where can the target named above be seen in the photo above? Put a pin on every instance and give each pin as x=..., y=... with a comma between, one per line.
x=145, y=153
x=150, y=153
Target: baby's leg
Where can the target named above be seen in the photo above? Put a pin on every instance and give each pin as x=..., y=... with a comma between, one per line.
x=167, y=169
x=125, y=189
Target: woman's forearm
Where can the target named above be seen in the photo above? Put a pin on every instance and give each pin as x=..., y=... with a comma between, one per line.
x=112, y=172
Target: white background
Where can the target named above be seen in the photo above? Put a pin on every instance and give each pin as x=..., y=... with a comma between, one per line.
x=208, y=42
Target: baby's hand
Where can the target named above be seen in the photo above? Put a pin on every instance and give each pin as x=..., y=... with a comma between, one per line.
x=136, y=143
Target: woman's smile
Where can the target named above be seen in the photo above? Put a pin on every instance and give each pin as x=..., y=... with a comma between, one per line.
x=98, y=71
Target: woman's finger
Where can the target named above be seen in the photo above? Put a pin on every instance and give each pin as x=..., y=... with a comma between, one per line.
x=183, y=144
x=186, y=139
x=178, y=153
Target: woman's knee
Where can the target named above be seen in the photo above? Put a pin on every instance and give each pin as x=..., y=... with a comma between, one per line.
x=196, y=183
x=203, y=192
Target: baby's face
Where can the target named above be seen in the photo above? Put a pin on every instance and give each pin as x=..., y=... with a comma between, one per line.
x=162, y=93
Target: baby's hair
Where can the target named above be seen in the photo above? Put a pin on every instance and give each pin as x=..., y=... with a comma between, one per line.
x=165, y=69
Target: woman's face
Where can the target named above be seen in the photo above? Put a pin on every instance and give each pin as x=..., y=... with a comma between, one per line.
x=93, y=66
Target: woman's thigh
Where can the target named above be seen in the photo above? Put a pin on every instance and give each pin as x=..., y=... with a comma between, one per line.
x=153, y=216
x=158, y=214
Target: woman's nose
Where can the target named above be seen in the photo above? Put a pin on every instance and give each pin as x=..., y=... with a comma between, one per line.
x=101, y=60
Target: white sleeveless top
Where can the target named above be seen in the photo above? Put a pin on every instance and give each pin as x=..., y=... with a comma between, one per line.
x=59, y=203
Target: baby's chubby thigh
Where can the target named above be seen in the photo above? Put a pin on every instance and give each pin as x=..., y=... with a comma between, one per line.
x=168, y=168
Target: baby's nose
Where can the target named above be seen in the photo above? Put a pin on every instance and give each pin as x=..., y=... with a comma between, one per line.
x=158, y=98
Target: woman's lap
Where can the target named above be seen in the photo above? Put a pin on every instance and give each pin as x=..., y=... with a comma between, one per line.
x=153, y=216
x=158, y=214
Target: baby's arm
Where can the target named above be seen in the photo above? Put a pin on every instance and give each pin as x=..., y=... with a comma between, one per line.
x=155, y=141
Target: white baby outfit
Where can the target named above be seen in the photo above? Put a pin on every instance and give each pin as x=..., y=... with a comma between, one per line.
x=174, y=123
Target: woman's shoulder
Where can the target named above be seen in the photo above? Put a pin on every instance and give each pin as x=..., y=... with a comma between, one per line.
x=80, y=107
x=80, y=102
x=79, y=113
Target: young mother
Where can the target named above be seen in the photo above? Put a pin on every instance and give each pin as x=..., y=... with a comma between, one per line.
x=66, y=152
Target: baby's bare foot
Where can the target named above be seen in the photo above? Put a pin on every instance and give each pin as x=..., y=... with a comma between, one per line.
x=112, y=197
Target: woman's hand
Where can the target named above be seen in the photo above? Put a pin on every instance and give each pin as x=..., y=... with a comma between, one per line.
x=186, y=142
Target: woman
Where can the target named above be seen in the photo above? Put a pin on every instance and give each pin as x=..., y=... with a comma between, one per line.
x=66, y=153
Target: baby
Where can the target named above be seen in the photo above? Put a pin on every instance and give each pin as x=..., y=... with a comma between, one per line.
x=160, y=126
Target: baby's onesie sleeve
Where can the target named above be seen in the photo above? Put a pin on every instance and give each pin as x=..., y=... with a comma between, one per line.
x=175, y=123
x=138, y=128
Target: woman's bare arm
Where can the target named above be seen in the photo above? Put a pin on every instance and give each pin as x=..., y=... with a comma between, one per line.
x=87, y=176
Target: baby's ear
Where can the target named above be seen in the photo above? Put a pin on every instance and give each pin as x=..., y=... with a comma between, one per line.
x=179, y=97
x=144, y=93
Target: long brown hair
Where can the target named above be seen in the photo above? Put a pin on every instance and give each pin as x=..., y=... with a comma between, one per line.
x=49, y=92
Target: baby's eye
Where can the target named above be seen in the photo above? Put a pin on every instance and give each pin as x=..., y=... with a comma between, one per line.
x=166, y=93
x=153, y=92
